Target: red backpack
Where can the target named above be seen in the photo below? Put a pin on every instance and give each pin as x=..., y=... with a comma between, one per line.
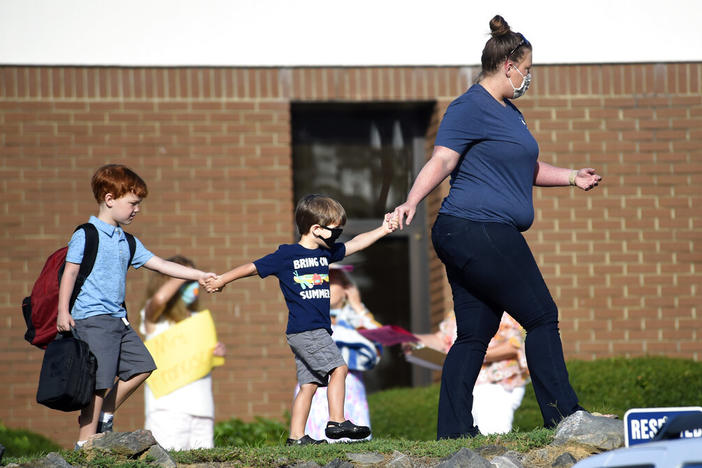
x=40, y=309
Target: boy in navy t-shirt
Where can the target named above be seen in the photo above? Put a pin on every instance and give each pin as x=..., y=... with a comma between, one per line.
x=302, y=270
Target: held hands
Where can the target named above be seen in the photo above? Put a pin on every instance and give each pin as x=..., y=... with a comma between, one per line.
x=214, y=284
x=406, y=209
x=587, y=178
x=206, y=277
x=390, y=223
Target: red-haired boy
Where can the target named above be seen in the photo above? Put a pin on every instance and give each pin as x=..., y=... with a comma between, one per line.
x=98, y=314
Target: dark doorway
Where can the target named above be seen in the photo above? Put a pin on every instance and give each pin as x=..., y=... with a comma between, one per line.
x=366, y=155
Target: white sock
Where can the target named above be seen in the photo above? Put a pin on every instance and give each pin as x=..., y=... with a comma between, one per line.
x=81, y=443
x=106, y=417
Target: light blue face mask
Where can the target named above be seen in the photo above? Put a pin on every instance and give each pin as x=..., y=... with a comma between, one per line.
x=189, y=292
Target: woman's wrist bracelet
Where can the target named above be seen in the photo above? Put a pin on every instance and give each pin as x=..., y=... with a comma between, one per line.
x=572, y=176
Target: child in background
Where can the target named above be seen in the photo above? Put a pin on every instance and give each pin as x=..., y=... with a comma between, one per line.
x=302, y=270
x=99, y=314
x=501, y=384
x=184, y=418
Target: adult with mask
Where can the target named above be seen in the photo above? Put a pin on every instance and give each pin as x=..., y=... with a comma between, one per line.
x=485, y=145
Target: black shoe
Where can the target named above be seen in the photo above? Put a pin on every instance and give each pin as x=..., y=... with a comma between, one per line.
x=304, y=440
x=335, y=430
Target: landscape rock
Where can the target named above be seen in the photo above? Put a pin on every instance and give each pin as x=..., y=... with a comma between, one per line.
x=306, y=464
x=465, y=458
x=399, y=460
x=52, y=460
x=565, y=460
x=367, y=458
x=504, y=461
x=338, y=463
x=127, y=444
x=159, y=457
x=598, y=432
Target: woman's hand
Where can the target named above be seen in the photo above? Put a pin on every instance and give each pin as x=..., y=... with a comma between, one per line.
x=407, y=210
x=587, y=178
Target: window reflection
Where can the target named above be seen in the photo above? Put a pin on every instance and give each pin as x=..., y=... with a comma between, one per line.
x=360, y=154
x=364, y=156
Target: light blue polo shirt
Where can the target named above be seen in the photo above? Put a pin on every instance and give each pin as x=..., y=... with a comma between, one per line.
x=104, y=289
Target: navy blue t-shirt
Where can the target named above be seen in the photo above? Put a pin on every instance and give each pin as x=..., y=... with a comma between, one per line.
x=494, y=178
x=303, y=275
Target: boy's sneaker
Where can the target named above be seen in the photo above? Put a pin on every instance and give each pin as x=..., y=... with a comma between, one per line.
x=304, y=440
x=335, y=430
x=104, y=426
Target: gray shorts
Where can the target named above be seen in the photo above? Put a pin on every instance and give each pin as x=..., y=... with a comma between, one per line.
x=117, y=347
x=316, y=355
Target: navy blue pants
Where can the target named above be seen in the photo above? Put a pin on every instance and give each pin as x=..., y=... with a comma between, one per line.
x=491, y=269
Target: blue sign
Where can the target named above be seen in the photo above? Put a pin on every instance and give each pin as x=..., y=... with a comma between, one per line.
x=642, y=424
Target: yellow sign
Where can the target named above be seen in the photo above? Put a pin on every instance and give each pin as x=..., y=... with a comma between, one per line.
x=183, y=353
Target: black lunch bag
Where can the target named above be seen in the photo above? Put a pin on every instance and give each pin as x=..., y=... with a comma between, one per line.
x=67, y=378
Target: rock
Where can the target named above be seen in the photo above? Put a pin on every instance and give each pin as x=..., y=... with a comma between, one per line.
x=565, y=460
x=307, y=464
x=503, y=461
x=598, y=432
x=465, y=458
x=539, y=457
x=517, y=457
x=399, y=460
x=52, y=460
x=126, y=444
x=338, y=463
x=368, y=458
x=158, y=456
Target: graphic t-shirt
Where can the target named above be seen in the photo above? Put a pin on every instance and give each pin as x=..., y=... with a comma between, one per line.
x=303, y=275
x=494, y=177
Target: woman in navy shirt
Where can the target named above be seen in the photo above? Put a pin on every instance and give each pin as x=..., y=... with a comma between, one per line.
x=484, y=144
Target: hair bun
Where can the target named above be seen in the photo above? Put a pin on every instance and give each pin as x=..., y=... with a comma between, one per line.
x=498, y=26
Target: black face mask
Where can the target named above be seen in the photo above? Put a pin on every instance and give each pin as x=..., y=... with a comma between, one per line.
x=335, y=233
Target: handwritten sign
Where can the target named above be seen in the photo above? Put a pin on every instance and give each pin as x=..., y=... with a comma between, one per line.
x=183, y=353
x=642, y=424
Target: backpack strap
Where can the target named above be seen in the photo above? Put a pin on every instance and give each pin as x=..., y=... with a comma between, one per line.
x=86, y=265
x=132, y=247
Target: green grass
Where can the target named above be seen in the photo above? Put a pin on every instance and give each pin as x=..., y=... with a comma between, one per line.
x=405, y=419
x=258, y=433
x=609, y=386
x=323, y=454
x=24, y=443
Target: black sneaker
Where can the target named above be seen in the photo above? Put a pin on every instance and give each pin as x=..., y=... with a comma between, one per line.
x=304, y=440
x=104, y=426
x=335, y=430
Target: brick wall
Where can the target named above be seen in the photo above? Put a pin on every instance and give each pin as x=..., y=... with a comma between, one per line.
x=623, y=261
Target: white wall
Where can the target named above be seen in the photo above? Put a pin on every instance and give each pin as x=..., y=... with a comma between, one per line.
x=330, y=32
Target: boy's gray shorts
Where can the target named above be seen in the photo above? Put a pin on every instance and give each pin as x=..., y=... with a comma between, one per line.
x=316, y=355
x=117, y=347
